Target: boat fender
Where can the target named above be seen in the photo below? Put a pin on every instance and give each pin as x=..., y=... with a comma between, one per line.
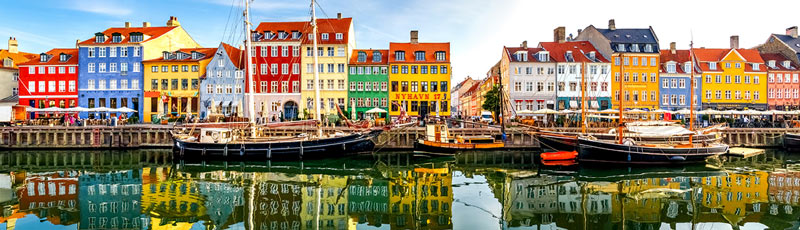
x=677, y=158
x=344, y=147
x=628, y=142
x=225, y=151
x=269, y=152
x=241, y=151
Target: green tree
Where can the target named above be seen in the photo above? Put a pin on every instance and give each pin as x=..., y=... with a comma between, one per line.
x=491, y=101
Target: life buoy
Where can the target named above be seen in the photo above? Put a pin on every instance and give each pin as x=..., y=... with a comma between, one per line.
x=215, y=137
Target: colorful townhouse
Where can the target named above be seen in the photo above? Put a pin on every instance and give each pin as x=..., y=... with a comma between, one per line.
x=276, y=56
x=172, y=83
x=111, y=200
x=419, y=77
x=675, y=76
x=732, y=78
x=224, y=71
x=484, y=87
x=435, y=198
x=787, y=44
x=9, y=72
x=458, y=108
x=50, y=80
x=335, y=41
x=468, y=101
x=369, y=81
x=634, y=55
x=783, y=89
x=531, y=77
x=575, y=60
x=110, y=63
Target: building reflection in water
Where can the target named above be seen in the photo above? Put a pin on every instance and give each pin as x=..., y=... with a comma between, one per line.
x=349, y=195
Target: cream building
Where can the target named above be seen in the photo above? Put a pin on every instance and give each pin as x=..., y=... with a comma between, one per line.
x=336, y=40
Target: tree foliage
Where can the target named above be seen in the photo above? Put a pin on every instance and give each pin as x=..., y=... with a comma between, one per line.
x=491, y=101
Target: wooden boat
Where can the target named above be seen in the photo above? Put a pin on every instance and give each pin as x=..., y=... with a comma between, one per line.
x=439, y=142
x=568, y=141
x=559, y=156
x=557, y=141
x=791, y=140
x=597, y=151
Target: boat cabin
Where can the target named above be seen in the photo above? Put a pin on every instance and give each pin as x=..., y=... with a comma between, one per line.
x=437, y=133
x=216, y=135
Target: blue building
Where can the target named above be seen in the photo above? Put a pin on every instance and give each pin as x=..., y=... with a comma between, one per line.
x=110, y=63
x=111, y=200
x=674, y=83
x=224, y=71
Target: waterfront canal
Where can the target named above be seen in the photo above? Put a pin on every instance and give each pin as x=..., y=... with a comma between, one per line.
x=145, y=189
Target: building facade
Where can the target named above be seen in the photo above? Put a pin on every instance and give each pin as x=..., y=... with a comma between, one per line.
x=787, y=44
x=50, y=80
x=336, y=40
x=732, y=78
x=531, y=74
x=173, y=80
x=276, y=56
x=782, y=82
x=634, y=55
x=675, y=74
x=419, y=77
x=9, y=71
x=225, y=70
x=458, y=108
x=369, y=82
x=110, y=73
x=576, y=60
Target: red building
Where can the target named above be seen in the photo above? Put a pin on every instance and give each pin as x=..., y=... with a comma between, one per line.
x=783, y=88
x=276, y=57
x=53, y=191
x=50, y=80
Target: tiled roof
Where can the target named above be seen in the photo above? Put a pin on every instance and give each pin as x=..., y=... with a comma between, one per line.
x=369, y=60
x=55, y=59
x=511, y=51
x=152, y=32
x=794, y=43
x=10, y=99
x=704, y=56
x=207, y=53
x=472, y=89
x=680, y=57
x=331, y=26
x=409, y=48
x=580, y=51
x=640, y=36
x=19, y=57
x=779, y=59
x=236, y=55
x=274, y=27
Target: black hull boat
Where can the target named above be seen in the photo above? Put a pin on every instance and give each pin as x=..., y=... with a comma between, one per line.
x=791, y=141
x=562, y=141
x=594, y=151
x=557, y=141
x=279, y=150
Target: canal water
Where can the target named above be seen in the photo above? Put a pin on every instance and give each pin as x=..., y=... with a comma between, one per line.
x=145, y=189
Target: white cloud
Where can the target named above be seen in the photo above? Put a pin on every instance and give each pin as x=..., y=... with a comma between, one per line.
x=110, y=8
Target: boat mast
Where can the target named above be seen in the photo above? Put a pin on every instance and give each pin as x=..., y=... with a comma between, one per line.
x=691, y=92
x=621, y=78
x=248, y=46
x=316, y=69
x=502, y=103
x=583, y=98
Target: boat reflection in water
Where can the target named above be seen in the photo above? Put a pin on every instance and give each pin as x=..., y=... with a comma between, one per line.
x=477, y=190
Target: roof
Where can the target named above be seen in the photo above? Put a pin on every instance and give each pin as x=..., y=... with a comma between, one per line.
x=207, y=53
x=150, y=32
x=472, y=89
x=779, y=59
x=794, y=43
x=18, y=57
x=716, y=55
x=369, y=52
x=558, y=51
x=513, y=50
x=642, y=36
x=72, y=58
x=236, y=55
x=331, y=26
x=410, y=48
x=288, y=27
x=9, y=99
x=680, y=56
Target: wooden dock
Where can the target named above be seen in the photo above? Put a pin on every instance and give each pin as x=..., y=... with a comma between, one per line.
x=745, y=152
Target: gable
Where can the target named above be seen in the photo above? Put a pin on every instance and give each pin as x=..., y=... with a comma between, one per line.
x=733, y=55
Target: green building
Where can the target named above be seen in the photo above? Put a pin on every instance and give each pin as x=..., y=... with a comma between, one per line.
x=369, y=82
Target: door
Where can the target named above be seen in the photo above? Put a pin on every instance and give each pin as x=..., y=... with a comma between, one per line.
x=290, y=110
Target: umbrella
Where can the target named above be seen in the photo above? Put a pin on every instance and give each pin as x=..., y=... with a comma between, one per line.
x=709, y=112
x=635, y=111
x=567, y=111
x=545, y=111
x=212, y=107
x=661, y=111
x=376, y=110
x=683, y=111
x=99, y=109
x=239, y=109
x=609, y=111
x=525, y=111
x=123, y=110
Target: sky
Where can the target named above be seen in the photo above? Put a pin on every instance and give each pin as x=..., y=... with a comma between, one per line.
x=476, y=29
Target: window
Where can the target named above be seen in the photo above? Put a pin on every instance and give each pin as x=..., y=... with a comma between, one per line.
x=101, y=51
x=102, y=84
x=123, y=84
x=284, y=51
x=339, y=36
x=324, y=36
x=274, y=88
x=755, y=80
x=340, y=52
x=90, y=52
x=737, y=79
x=264, y=50
x=295, y=68
x=264, y=69
x=728, y=79
x=414, y=86
x=89, y=84
x=102, y=68
x=123, y=51
x=340, y=68
x=670, y=67
x=404, y=86
x=682, y=83
x=644, y=95
x=727, y=94
x=330, y=52
x=174, y=68
x=708, y=94
x=310, y=84
x=184, y=68
x=518, y=86
x=112, y=51
x=62, y=86
x=444, y=69
x=653, y=95
x=137, y=51
x=400, y=55
x=112, y=68
x=263, y=86
x=295, y=51
x=404, y=69
x=665, y=99
x=755, y=95
x=71, y=86
x=274, y=69
x=712, y=65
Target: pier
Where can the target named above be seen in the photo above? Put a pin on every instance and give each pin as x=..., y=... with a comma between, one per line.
x=158, y=136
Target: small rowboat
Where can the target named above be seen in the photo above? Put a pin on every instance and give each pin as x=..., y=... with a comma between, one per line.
x=559, y=156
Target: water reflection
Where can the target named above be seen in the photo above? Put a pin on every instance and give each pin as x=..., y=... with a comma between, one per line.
x=144, y=190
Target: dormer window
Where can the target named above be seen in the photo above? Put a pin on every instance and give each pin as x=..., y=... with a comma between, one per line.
x=786, y=64
x=568, y=56
x=136, y=37
x=634, y=47
x=419, y=55
x=99, y=38
x=376, y=56
x=166, y=55
x=43, y=57
x=440, y=55
x=593, y=56
x=712, y=65
x=311, y=37
x=362, y=57
x=400, y=55
x=756, y=66
x=620, y=47
x=771, y=63
x=671, y=67
x=521, y=56
x=195, y=55
x=62, y=57
x=295, y=35
x=339, y=36
x=116, y=38
x=687, y=67
x=282, y=35
x=648, y=48
x=544, y=56
x=325, y=36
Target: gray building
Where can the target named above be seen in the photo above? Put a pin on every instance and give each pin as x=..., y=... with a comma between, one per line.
x=222, y=72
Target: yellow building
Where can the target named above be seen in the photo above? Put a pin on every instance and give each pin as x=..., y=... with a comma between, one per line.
x=331, y=193
x=336, y=42
x=419, y=77
x=171, y=82
x=421, y=191
x=732, y=78
x=733, y=193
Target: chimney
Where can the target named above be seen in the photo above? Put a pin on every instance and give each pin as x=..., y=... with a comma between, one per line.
x=558, y=34
x=672, y=48
x=13, y=46
x=414, y=37
x=127, y=24
x=524, y=44
x=792, y=31
x=735, y=42
x=339, y=15
x=579, y=32
x=173, y=21
x=145, y=24
x=612, y=25
x=77, y=41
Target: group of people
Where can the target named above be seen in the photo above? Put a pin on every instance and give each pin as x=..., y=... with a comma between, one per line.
x=74, y=120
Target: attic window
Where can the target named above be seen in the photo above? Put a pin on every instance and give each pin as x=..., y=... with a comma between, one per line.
x=645, y=36
x=400, y=55
x=620, y=47
x=43, y=58
x=441, y=55
x=544, y=56
x=116, y=38
x=592, y=56
x=195, y=55
x=568, y=56
x=339, y=36
x=136, y=37
x=325, y=36
x=62, y=57
x=295, y=35
x=634, y=47
x=786, y=64
x=648, y=48
x=419, y=55
x=376, y=56
x=362, y=57
x=755, y=66
x=99, y=38
x=166, y=55
x=771, y=63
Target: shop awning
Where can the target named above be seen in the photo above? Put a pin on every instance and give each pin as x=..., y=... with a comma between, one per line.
x=573, y=104
x=594, y=105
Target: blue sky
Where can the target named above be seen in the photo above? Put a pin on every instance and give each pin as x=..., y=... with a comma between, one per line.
x=477, y=29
